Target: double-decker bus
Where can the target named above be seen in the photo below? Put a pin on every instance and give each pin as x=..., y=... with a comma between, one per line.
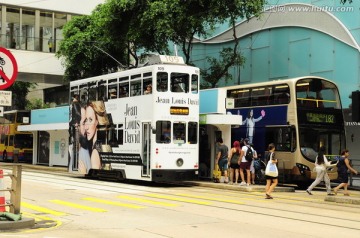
x=15, y=146
x=299, y=115
x=146, y=125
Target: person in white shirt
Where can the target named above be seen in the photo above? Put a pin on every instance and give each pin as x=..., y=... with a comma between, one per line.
x=321, y=164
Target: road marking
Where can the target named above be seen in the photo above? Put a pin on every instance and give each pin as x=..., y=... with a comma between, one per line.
x=148, y=201
x=39, y=219
x=42, y=209
x=74, y=205
x=178, y=199
x=209, y=198
x=113, y=203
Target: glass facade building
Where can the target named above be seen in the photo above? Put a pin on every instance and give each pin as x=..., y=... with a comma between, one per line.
x=31, y=29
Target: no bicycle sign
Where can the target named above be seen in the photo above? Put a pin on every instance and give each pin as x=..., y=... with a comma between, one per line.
x=8, y=68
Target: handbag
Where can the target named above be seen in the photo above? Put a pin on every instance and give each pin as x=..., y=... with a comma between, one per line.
x=271, y=169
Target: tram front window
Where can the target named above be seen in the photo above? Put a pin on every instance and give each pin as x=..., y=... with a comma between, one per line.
x=311, y=139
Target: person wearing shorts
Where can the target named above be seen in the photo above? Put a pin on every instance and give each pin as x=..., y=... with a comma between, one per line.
x=222, y=158
x=244, y=164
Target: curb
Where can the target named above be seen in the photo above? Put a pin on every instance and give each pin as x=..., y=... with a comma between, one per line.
x=21, y=224
x=346, y=200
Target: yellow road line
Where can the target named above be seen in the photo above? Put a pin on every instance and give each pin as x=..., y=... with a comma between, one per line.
x=147, y=201
x=113, y=203
x=39, y=218
x=178, y=199
x=42, y=209
x=209, y=198
x=74, y=205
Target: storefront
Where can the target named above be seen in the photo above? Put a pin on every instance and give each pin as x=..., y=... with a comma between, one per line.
x=50, y=135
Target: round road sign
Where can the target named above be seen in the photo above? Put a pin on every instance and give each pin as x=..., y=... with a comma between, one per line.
x=8, y=68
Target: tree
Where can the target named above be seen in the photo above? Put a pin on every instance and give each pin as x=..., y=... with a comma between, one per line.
x=87, y=50
x=102, y=42
x=19, y=91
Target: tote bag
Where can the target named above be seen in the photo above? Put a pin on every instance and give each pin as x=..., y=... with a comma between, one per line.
x=271, y=169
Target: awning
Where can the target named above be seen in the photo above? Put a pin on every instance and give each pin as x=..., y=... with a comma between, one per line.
x=221, y=119
x=44, y=127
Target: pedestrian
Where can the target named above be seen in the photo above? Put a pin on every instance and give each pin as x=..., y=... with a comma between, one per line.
x=321, y=164
x=222, y=158
x=343, y=167
x=234, y=156
x=13, y=44
x=244, y=163
x=50, y=44
x=252, y=168
x=271, y=181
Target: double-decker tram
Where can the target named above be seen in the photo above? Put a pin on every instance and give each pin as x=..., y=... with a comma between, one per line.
x=140, y=124
x=15, y=146
x=299, y=115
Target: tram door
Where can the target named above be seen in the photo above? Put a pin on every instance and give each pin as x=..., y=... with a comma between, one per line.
x=146, y=131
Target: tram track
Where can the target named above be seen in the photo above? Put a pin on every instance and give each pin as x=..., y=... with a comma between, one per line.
x=272, y=211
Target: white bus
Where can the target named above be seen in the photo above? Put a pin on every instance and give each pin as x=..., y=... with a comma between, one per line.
x=142, y=135
x=299, y=115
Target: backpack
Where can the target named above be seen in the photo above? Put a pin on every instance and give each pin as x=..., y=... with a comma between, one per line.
x=235, y=158
x=249, y=154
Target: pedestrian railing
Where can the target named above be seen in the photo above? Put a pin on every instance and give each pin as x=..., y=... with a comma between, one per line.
x=14, y=189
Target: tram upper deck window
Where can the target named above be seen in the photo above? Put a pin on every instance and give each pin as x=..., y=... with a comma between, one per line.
x=162, y=82
x=179, y=82
x=135, y=85
x=194, y=84
x=123, y=87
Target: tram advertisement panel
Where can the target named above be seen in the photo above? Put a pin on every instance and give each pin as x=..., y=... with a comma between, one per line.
x=95, y=139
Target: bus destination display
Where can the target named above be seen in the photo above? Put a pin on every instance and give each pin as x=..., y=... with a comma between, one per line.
x=320, y=118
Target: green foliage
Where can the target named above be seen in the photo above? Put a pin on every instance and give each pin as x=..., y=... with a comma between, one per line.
x=36, y=104
x=103, y=42
x=19, y=92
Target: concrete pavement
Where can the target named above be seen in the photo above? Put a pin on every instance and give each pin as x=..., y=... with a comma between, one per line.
x=26, y=223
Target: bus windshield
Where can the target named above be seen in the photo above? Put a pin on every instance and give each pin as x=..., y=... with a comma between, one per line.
x=313, y=138
x=23, y=141
x=317, y=93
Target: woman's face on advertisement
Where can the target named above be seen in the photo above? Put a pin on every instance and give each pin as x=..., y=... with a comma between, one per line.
x=91, y=123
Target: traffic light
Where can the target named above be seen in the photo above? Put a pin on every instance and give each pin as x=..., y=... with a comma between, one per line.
x=355, y=96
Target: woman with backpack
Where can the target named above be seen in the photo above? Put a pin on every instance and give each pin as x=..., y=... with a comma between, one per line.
x=343, y=167
x=233, y=161
x=321, y=164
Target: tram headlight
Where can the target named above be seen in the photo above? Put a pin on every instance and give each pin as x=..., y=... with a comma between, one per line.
x=179, y=162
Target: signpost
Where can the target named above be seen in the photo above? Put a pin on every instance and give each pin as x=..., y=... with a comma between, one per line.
x=8, y=74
